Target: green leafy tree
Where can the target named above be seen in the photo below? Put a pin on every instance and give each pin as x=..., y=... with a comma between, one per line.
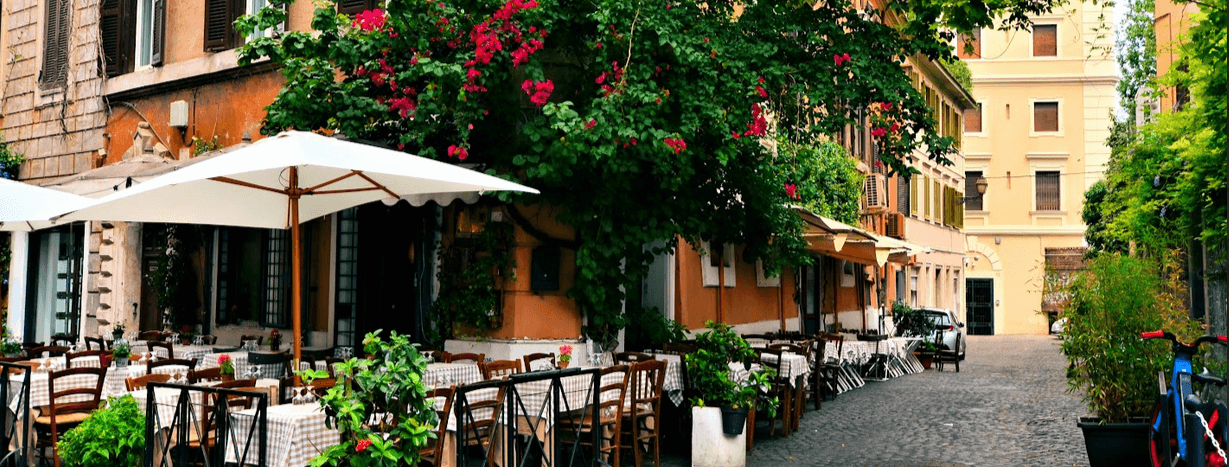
x=642, y=121
x=1135, y=51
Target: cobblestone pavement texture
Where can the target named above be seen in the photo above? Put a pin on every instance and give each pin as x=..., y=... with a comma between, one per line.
x=1008, y=406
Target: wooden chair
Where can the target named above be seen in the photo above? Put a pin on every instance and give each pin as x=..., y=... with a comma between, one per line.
x=237, y=383
x=139, y=382
x=321, y=386
x=605, y=415
x=831, y=370
x=645, y=385
x=95, y=343
x=632, y=357
x=771, y=358
x=439, y=356
x=799, y=394
x=259, y=339
x=315, y=355
x=205, y=441
x=478, y=419
x=52, y=350
x=537, y=357
x=207, y=374
x=433, y=452
x=330, y=364
x=209, y=339
x=500, y=369
x=468, y=357
x=816, y=377
x=191, y=364
x=270, y=360
x=169, y=347
x=150, y=336
x=58, y=417
x=63, y=340
x=680, y=347
x=69, y=357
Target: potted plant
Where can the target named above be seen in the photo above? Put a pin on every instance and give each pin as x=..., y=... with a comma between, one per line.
x=186, y=334
x=390, y=383
x=1111, y=302
x=117, y=332
x=275, y=340
x=721, y=397
x=565, y=355
x=120, y=352
x=226, y=367
x=11, y=348
x=113, y=436
x=925, y=353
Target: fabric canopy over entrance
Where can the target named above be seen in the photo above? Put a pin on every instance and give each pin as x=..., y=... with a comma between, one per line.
x=25, y=207
x=843, y=241
x=284, y=180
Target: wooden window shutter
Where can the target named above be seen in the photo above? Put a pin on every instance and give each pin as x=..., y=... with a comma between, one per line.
x=938, y=201
x=913, y=195
x=110, y=27
x=960, y=211
x=56, y=23
x=926, y=199
x=1048, y=191
x=972, y=119
x=903, y=200
x=158, y=37
x=218, y=25
x=1045, y=40
x=353, y=7
x=1045, y=116
x=969, y=45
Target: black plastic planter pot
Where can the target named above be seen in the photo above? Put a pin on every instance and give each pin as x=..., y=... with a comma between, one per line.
x=733, y=420
x=1116, y=444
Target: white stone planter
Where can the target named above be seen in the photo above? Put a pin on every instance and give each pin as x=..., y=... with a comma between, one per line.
x=710, y=447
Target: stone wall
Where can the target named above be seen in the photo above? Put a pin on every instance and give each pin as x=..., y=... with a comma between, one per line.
x=59, y=130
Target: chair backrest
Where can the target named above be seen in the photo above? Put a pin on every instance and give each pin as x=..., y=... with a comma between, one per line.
x=500, y=368
x=838, y=340
x=632, y=357
x=150, y=336
x=330, y=364
x=472, y=357
x=169, y=347
x=478, y=413
x=259, y=339
x=281, y=360
x=646, y=382
x=443, y=408
x=207, y=374
x=95, y=343
x=66, y=341
x=191, y=364
x=681, y=348
x=238, y=383
x=543, y=358
x=72, y=392
x=316, y=354
x=439, y=356
x=611, y=391
x=52, y=350
x=209, y=339
x=140, y=382
x=770, y=358
x=800, y=349
x=321, y=386
x=69, y=357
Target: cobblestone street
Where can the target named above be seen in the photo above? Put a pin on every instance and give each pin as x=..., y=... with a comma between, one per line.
x=1007, y=407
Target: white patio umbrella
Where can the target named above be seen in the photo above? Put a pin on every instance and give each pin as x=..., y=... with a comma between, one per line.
x=25, y=207
x=281, y=181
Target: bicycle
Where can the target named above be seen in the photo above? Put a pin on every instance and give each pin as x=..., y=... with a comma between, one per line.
x=1202, y=430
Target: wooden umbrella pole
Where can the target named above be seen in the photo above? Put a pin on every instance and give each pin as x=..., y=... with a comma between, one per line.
x=296, y=279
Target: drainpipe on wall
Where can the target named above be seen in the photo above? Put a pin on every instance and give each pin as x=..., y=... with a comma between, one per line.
x=720, y=282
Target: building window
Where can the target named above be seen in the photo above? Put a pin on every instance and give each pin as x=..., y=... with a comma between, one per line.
x=1048, y=191
x=1045, y=40
x=969, y=45
x=970, y=188
x=57, y=20
x=132, y=33
x=353, y=7
x=902, y=194
x=972, y=119
x=1045, y=117
x=346, y=314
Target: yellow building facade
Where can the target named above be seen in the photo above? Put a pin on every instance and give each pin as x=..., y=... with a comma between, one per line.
x=1038, y=137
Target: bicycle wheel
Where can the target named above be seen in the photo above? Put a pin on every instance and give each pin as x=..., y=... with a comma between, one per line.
x=1166, y=435
x=1216, y=423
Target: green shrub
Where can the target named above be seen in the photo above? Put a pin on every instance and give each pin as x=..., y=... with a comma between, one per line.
x=709, y=370
x=1114, y=300
x=109, y=437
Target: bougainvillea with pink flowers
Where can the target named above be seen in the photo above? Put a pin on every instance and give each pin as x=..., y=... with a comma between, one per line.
x=555, y=94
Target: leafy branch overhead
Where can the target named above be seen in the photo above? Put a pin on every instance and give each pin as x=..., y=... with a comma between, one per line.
x=642, y=121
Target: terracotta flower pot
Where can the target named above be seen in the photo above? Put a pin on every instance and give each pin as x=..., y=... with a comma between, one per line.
x=563, y=364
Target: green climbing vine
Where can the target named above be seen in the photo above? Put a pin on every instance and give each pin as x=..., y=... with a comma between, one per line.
x=470, y=273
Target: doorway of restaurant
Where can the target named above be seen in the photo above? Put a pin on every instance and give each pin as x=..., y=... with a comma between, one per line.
x=53, y=295
x=385, y=255
x=979, y=298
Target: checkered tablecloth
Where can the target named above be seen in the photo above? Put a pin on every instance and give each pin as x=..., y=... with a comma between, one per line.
x=792, y=367
x=535, y=397
x=296, y=434
x=240, y=360
x=114, y=385
x=166, y=401
x=451, y=374
x=39, y=394
x=672, y=384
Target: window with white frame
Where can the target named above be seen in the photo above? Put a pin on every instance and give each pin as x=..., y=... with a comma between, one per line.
x=709, y=260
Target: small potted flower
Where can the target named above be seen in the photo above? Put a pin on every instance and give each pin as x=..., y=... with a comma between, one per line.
x=117, y=333
x=11, y=348
x=186, y=334
x=275, y=340
x=120, y=352
x=226, y=367
x=565, y=355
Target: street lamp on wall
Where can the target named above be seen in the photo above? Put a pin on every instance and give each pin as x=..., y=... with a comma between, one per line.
x=981, y=185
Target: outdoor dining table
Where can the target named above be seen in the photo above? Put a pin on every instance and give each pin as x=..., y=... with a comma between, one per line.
x=296, y=434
